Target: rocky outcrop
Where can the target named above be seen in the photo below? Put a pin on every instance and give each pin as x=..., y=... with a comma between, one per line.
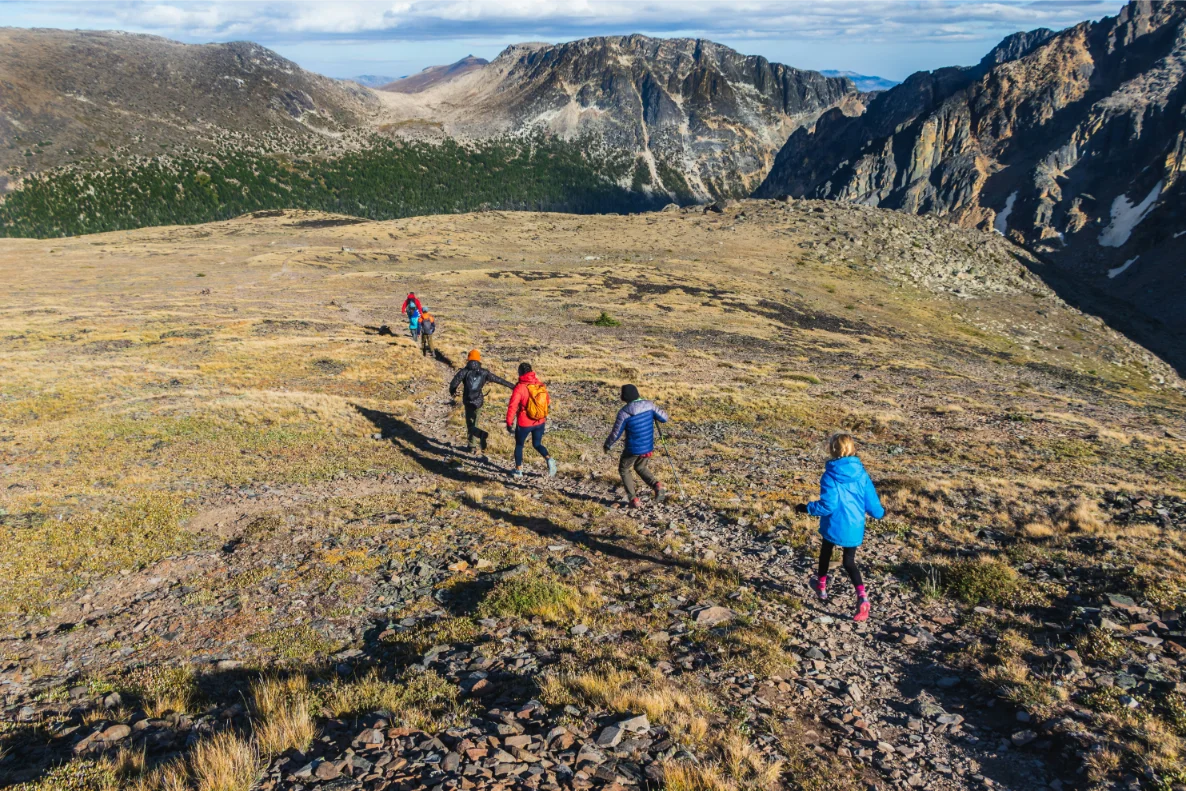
x=685, y=116
x=1071, y=144
x=68, y=95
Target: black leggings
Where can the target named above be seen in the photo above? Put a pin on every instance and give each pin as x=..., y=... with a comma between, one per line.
x=537, y=441
x=850, y=561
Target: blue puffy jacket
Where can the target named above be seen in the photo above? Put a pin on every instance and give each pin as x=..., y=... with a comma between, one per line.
x=846, y=494
x=637, y=419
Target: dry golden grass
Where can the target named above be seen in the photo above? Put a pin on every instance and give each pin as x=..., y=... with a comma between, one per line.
x=224, y=762
x=282, y=708
x=681, y=710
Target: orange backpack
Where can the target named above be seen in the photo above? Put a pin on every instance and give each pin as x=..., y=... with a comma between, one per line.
x=537, y=401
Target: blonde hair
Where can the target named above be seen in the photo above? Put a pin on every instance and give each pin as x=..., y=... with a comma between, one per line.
x=842, y=444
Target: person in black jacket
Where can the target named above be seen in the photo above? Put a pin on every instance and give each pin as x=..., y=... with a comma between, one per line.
x=475, y=378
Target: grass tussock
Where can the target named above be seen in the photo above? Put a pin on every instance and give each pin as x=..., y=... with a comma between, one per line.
x=980, y=580
x=529, y=597
x=282, y=708
x=224, y=762
x=679, y=709
x=420, y=699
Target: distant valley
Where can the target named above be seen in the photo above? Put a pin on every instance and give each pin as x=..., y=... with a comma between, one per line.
x=1070, y=143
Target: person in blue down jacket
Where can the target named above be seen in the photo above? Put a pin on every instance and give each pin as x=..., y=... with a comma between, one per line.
x=846, y=496
x=637, y=420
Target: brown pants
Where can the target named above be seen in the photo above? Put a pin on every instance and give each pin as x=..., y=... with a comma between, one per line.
x=641, y=465
x=425, y=343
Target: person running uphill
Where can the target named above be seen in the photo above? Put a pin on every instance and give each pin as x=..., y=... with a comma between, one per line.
x=846, y=496
x=637, y=420
x=475, y=379
x=529, y=406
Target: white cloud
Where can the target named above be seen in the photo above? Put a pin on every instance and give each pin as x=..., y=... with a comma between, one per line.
x=848, y=26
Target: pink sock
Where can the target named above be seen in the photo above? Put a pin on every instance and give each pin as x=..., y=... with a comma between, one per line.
x=823, y=581
x=861, y=592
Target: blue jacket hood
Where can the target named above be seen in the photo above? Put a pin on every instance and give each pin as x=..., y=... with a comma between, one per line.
x=845, y=469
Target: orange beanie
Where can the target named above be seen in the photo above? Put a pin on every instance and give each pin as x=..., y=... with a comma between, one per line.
x=474, y=354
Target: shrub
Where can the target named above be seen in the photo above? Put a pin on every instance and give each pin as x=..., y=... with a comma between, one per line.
x=982, y=580
x=606, y=320
x=1100, y=645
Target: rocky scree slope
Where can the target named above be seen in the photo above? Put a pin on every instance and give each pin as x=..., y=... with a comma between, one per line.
x=700, y=120
x=1070, y=143
x=69, y=95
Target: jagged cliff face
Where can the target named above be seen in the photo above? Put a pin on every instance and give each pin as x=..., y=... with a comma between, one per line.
x=702, y=120
x=1071, y=144
x=65, y=95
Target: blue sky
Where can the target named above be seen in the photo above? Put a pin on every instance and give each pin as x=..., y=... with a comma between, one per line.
x=343, y=38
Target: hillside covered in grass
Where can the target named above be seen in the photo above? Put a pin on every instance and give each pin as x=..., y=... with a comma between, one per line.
x=245, y=549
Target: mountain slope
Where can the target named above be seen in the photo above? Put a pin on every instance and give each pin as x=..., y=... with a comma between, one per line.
x=1072, y=144
x=699, y=119
x=72, y=94
x=433, y=75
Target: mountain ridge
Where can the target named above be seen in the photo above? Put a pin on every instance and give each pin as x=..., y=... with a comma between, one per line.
x=1070, y=143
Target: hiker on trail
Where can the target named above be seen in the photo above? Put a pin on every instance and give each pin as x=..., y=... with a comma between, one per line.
x=529, y=406
x=428, y=327
x=475, y=378
x=414, y=325
x=411, y=299
x=846, y=495
x=637, y=420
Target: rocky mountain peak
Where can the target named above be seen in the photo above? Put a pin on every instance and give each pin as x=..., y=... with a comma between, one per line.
x=1069, y=143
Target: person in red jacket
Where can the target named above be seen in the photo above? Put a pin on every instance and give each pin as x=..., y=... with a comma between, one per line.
x=529, y=407
x=411, y=299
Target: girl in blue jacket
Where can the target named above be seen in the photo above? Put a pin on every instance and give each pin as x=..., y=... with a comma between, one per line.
x=846, y=495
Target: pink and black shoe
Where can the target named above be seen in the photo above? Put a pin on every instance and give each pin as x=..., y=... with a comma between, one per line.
x=820, y=586
x=862, y=613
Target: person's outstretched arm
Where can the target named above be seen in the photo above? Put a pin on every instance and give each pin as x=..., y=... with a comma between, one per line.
x=829, y=496
x=659, y=414
x=498, y=380
x=457, y=377
x=872, y=502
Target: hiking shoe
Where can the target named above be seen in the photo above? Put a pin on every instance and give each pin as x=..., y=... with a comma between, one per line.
x=862, y=611
x=517, y=474
x=820, y=588
x=636, y=503
x=471, y=449
x=660, y=493
x=551, y=468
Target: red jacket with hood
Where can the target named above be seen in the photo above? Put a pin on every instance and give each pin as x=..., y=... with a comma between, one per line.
x=412, y=298
x=518, y=405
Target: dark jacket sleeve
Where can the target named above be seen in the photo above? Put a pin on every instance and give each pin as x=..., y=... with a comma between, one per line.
x=457, y=377
x=498, y=380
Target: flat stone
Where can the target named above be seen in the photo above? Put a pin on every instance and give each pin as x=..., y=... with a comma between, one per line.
x=115, y=733
x=639, y=724
x=1022, y=738
x=610, y=736
x=713, y=616
x=326, y=770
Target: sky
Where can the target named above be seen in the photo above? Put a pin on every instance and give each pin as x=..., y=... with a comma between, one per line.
x=345, y=38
